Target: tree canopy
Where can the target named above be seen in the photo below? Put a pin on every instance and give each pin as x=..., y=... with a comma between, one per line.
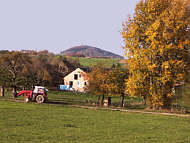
x=26, y=69
x=109, y=82
x=157, y=46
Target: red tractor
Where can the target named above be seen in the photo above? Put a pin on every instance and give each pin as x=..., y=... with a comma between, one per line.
x=39, y=94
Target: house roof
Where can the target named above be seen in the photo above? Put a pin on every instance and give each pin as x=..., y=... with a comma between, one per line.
x=86, y=69
x=81, y=69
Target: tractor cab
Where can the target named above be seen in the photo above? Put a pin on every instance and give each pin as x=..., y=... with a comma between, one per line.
x=40, y=90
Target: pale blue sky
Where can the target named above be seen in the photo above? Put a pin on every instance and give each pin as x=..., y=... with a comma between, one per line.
x=57, y=25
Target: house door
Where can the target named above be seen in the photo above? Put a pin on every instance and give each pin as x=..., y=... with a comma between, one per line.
x=71, y=83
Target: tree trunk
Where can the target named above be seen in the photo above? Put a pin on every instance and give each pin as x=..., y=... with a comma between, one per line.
x=144, y=98
x=98, y=102
x=167, y=102
x=2, y=91
x=122, y=101
x=14, y=85
x=14, y=91
x=102, y=102
x=33, y=86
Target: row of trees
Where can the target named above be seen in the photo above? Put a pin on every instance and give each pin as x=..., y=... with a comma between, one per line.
x=19, y=69
x=157, y=46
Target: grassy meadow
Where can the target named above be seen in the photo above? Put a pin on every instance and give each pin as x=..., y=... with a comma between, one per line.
x=57, y=122
x=90, y=62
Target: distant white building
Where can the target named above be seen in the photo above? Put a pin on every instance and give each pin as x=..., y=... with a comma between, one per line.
x=76, y=80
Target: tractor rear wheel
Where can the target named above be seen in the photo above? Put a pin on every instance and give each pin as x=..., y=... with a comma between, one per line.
x=40, y=98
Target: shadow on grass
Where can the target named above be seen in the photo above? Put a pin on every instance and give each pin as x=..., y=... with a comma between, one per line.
x=65, y=102
x=56, y=103
x=139, y=107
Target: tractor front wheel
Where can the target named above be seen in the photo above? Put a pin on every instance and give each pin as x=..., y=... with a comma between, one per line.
x=40, y=98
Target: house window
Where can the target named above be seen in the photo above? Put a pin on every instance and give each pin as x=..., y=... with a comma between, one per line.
x=76, y=76
x=85, y=83
x=79, y=75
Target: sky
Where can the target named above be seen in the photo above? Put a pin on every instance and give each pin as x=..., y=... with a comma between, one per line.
x=56, y=25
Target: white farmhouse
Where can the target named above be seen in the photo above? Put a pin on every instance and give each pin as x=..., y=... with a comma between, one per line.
x=76, y=80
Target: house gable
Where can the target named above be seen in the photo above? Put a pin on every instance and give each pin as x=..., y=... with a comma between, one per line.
x=79, y=72
x=77, y=79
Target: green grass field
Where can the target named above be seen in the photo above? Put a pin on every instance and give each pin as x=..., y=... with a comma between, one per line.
x=90, y=62
x=61, y=123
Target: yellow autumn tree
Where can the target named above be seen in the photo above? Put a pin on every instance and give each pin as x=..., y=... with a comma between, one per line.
x=97, y=82
x=156, y=44
x=115, y=82
x=107, y=82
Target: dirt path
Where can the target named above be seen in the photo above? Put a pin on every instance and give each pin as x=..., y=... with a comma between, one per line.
x=131, y=111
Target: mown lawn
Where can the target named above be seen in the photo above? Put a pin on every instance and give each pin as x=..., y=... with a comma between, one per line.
x=60, y=123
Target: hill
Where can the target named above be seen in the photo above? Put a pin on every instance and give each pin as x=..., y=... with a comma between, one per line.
x=89, y=51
